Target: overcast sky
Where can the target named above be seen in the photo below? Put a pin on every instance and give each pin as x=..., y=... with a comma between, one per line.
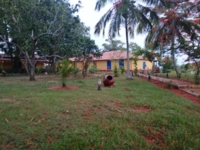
x=90, y=17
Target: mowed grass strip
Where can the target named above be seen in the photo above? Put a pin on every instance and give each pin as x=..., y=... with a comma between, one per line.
x=131, y=115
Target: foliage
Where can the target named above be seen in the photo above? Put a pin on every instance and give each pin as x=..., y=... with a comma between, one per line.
x=65, y=70
x=197, y=72
x=113, y=45
x=76, y=71
x=116, y=71
x=32, y=24
x=167, y=65
x=122, y=70
x=169, y=84
x=87, y=51
x=3, y=73
x=39, y=69
x=178, y=24
x=135, y=48
x=135, y=59
x=93, y=69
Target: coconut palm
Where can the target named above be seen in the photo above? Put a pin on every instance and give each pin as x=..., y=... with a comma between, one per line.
x=123, y=12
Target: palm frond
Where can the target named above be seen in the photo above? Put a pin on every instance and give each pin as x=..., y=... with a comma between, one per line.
x=101, y=24
x=115, y=25
x=101, y=3
x=154, y=2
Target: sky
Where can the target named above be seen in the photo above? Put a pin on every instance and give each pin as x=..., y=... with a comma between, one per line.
x=90, y=17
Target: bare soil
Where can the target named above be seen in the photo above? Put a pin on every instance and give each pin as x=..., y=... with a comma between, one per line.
x=177, y=91
x=64, y=88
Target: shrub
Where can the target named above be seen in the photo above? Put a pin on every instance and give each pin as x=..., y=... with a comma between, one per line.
x=179, y=75
x=116, y=71
x=196, y=78
x=3, y=73
x=169, y=84
x=93, y=69
x=122, y=70
x=75, y=71
x=39, y=69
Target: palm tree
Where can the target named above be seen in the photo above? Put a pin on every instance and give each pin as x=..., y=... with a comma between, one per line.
x=123, y=12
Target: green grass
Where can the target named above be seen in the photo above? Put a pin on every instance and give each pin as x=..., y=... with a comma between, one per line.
x=184, y=76
x=34, y=117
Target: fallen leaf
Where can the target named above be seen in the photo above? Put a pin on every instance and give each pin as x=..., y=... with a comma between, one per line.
x=1, y=111
x=118, y=110
x=39, y=121
x=32, y=119
x=6, y=120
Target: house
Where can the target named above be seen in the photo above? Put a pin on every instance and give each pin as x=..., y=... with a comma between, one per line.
x=6, y=62
x=111, y=58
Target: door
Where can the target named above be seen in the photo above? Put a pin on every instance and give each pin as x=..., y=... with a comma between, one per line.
x=108, y=65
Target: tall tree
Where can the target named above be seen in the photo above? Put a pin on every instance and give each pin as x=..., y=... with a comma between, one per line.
x=87, y=51
x=174, y=26
x=30, y=21
x=111, y=45
x=123, y=12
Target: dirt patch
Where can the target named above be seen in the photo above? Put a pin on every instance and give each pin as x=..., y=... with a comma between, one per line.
x=9, y=100
x=141, y=108
x=116, y=104
x=127, y=90
x=155, y=137
x=129, y=97
x=60, y=88
x=176, y=91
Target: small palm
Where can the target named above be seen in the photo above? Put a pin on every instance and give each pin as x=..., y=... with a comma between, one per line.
x=65, y=70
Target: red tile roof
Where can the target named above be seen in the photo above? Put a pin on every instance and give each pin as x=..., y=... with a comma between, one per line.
x=111, y=55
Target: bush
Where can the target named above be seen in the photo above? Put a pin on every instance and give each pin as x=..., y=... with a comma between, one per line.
x=93, y=69
x=116, y=71
x=122, y=70
x=39, y=69
x=75, y=71
x=3, y=73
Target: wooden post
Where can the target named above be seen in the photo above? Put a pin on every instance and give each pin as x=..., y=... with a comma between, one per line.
x=149, y=77
x=99, y=84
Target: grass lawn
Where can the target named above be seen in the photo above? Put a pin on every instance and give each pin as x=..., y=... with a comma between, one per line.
x=133, y=115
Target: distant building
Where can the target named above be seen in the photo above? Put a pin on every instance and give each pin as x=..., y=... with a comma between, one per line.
x=111, y=58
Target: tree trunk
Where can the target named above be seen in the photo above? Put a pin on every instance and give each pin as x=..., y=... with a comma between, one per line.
x=153, y=68
x=128, y=75
x=197, y=79
x=174, y=63
x=26, y=66
x=30, y=66
x=173, y=59
x=53, y=64
x=63, y=84
x=32, y=73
